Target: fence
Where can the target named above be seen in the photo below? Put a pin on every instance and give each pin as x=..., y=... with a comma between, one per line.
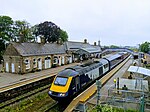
x=125, y=99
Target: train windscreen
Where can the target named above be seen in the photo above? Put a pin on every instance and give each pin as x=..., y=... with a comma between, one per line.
x=60, y=81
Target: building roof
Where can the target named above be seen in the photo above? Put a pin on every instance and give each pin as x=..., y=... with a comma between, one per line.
x=88, y=50
x=28, y=49
x=33, y=49
x=139, y=70
x=74, y=46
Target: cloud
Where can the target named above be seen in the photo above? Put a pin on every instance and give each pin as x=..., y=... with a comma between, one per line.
x=120, y=22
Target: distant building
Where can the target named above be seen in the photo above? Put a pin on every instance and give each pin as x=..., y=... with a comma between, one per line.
x=83, y=49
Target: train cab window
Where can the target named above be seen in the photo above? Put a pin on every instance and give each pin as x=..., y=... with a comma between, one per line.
x=60, y=81
x=105, y=66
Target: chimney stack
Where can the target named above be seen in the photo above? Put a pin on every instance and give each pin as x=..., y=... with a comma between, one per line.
x=42, y=39
x=21, y=38
x=85, y=41
x=99, y=43
x=94, y=43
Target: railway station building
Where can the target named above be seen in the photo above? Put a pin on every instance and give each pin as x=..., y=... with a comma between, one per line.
x=26, y=57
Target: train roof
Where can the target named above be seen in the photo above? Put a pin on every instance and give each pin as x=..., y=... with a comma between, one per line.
x=122, y=53
x=79, y=69
x=67, y=73
x=112, y=57
x=104, y=61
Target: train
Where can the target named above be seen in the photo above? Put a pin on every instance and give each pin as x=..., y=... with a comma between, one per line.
x=70, y=81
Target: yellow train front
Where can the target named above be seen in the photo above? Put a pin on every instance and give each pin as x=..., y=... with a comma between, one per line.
x=63, y=85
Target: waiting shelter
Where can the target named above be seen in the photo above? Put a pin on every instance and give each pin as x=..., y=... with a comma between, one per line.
x=140, y=74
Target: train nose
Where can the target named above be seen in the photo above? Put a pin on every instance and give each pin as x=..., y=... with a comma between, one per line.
x=57, y=94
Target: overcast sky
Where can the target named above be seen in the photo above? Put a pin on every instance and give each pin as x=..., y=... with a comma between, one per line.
x=113, y=22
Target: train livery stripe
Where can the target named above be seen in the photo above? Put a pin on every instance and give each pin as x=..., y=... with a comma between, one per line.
x=61, y=89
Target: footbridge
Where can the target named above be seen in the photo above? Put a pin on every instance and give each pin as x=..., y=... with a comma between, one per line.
x=117, y=50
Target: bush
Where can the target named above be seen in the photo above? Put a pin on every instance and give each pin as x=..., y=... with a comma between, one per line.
x=108, y=108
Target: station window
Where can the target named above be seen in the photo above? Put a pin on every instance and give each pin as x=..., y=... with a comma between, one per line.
x=34, y=63
x=27, y=63
x=55, y=61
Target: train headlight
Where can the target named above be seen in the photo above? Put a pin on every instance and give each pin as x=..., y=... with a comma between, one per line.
x=50, y=92
x=62, y=94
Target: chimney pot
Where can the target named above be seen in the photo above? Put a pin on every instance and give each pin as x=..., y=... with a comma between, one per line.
x=85, y=41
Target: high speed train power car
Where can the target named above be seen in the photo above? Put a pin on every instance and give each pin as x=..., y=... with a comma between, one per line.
x=71, y=80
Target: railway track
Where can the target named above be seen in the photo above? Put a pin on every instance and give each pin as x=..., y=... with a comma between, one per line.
x=13, y=93
x=23, y=96
x=58, y=107
x=51, y=107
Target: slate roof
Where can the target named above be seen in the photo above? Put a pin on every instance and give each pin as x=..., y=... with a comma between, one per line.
x=90, y=50
x=80, y=45
x=37, y=49
x=29, y=49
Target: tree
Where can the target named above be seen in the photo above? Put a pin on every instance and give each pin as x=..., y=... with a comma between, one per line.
x=23, y=31
x=145, y=47
x=49, y=30
x=33, y=30
x=2, y=48
x=6, y=30
x=114, y=46
x=63, y=36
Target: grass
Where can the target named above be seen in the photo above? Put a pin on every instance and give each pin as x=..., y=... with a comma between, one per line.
x=31, y=104
x=108, y=108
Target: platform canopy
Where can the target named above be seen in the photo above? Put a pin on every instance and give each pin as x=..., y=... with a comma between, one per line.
x=140, y=70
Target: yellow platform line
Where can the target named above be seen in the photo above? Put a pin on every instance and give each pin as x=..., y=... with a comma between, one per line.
x=84, y=96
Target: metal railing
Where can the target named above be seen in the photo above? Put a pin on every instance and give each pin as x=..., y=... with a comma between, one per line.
x=125, y=99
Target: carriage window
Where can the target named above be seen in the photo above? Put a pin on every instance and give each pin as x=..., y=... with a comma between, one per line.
x=61, y=81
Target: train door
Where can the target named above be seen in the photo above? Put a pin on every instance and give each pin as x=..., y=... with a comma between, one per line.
x=73, y=86
x=77, y=83
x=100, y=70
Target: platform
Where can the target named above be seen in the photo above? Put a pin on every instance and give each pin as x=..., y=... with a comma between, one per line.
x=10, y=78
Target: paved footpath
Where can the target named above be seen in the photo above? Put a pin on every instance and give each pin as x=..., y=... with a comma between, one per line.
x=9, y=78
